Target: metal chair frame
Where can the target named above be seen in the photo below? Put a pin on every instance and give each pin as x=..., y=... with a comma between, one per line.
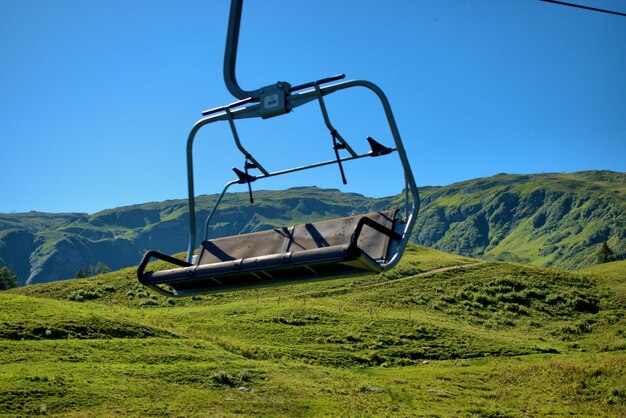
x=275, y=100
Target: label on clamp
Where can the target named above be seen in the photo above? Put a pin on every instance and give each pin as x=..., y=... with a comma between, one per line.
x=270, y=101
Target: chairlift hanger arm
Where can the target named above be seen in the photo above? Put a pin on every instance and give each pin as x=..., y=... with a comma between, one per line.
x=230, y=60
x=230, y=54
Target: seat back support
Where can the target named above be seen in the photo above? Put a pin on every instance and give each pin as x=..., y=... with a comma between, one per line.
x=339, y=247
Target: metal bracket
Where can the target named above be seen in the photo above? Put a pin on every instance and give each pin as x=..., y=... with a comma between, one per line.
x=336, y=147
x=273, y=99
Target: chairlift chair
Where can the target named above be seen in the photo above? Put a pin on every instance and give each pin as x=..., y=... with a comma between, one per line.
x=351, y=246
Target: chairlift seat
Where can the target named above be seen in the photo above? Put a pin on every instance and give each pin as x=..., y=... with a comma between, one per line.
x=350, y=246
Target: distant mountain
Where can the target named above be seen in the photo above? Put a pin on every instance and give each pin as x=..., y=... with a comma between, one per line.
x=44, y=247
x=544, y=219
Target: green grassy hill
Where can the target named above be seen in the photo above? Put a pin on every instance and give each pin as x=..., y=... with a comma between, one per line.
x=613, y=271
x=612, y=275
x=442, y=335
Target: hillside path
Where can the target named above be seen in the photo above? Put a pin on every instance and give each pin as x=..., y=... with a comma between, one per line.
x=429, y=272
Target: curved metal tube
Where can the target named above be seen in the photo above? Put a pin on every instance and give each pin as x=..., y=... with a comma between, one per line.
x=230, y=54
x=191, y=201
x=215, y=205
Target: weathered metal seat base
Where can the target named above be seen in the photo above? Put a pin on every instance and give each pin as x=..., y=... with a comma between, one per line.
x=344, y=247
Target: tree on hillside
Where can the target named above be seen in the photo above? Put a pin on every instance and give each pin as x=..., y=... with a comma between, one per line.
x=98, y=269
x=92, y=270
x=605, y=254
x=8, y=279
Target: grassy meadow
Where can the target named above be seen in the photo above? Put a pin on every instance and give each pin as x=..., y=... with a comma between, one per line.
x=442, y=335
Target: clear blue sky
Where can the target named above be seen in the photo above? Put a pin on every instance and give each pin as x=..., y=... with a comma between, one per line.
x=97, y=98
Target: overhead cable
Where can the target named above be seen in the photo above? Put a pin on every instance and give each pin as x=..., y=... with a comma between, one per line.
x=562, y=3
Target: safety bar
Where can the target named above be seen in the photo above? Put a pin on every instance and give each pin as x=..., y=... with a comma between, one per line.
x=274, y=174
x=317, y=83
x=229, y=106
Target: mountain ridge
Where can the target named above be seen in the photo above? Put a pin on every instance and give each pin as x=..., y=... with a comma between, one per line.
x=545, y=219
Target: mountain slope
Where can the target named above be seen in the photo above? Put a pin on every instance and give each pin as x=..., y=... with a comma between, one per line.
x=544, y=219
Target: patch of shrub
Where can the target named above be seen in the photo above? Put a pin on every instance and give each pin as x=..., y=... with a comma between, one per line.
x=616, y=396
x=569, y=331
x=333, y=339
x=89, y=328
x=590, y=304
x=147, y=303
x=289, y=321
x=222, y=378
x=555, y=300
x=448, y=299
x=484, y=299
x=85, y=294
